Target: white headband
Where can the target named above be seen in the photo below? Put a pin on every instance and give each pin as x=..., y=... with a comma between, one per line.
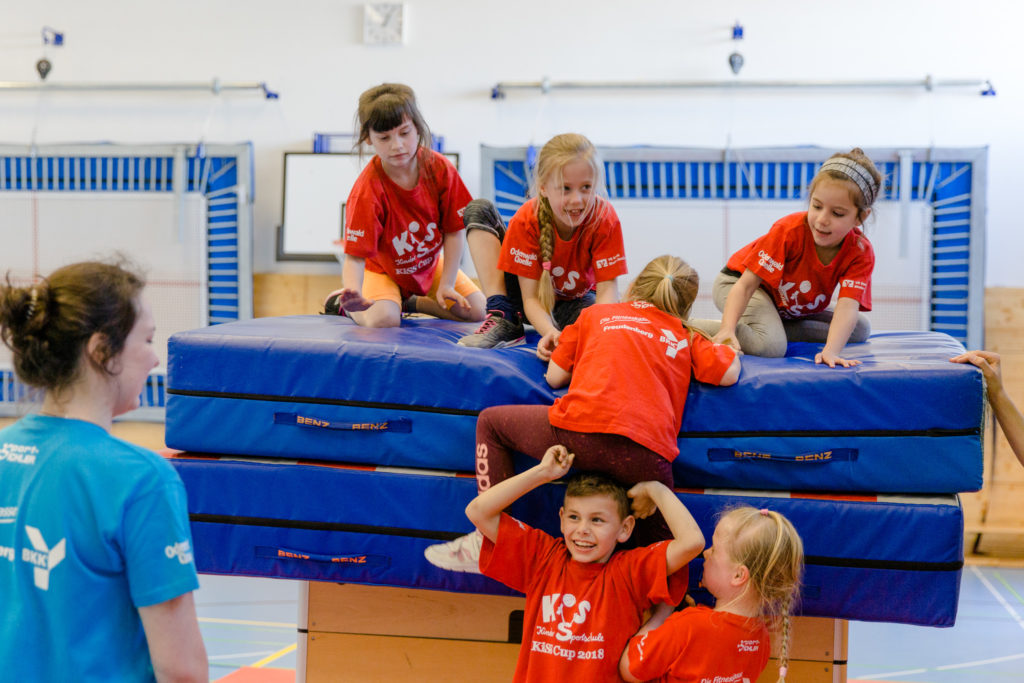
x=855, y=172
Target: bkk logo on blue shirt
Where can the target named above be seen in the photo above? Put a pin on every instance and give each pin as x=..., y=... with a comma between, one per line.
x=41, y=556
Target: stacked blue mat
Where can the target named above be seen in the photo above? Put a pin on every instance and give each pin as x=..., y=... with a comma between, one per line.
x=319, y=450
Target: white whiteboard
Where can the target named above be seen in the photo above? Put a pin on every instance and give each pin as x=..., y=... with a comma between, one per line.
x=316, y=187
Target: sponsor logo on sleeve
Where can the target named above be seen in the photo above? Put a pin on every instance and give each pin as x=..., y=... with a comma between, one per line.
x=523, y=258
x=765, y=260
x=853, y=284
x=181, y=550
x=610, y=261
x=42, y=557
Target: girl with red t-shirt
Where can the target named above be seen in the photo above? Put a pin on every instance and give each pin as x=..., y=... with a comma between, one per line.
x=403, y=236
x=628, y=366
x=753, y=569
x=777, y=288
x=563, y=249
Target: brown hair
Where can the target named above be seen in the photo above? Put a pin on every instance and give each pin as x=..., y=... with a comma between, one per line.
x=768, y=545
x=668, y=282
x=857, y=156
x=48, y=325
x=587, y=484
x=384, y=107
x=556, y=153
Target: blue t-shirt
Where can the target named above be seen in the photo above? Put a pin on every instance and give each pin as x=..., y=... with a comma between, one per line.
x=91, y=529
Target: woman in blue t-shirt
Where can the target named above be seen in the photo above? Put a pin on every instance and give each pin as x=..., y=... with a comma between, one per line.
x=96, y=568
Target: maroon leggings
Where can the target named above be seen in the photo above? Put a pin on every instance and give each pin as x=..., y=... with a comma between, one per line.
x=500, y=430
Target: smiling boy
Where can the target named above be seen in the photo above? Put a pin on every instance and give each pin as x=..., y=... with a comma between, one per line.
x=584, y=600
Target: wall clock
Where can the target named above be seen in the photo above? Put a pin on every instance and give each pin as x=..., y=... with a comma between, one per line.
x=382, y=23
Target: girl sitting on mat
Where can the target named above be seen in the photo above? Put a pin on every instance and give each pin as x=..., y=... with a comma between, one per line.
x=753, y=569
x=628, y=366
x=563, y=250
x=403, y=236
x=777, y=288
x=100, y=578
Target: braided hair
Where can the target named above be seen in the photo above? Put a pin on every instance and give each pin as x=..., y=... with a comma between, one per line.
x=771, y=549
x=558, y=152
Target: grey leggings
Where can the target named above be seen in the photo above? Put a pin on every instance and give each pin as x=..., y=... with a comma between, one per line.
x=761, y=331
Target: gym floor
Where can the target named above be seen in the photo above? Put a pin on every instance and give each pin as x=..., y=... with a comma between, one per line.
x=248, y=626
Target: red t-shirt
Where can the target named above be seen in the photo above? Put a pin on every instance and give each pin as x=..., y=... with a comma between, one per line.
x=401, y=232
x=593, y=254
x=700, y=644
x=797, y=280
x=578, y=616
x=613, y=347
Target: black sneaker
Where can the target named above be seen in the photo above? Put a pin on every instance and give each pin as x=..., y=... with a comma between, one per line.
x=496, y=332
x=481, y=214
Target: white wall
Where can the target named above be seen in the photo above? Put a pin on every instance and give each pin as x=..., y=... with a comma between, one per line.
x=310, y=51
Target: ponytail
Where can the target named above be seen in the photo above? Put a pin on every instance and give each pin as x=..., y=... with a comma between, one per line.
x=668, y=282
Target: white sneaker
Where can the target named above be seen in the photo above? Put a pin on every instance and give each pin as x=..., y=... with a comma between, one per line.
x=460, y=555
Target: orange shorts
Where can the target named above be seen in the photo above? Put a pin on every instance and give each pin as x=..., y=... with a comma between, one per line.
x=377, y=286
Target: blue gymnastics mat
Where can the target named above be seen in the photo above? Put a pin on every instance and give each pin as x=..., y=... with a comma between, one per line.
x=868, y=557
x=320, y=387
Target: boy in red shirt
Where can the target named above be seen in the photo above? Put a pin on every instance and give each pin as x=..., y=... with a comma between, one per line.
x=583, y=599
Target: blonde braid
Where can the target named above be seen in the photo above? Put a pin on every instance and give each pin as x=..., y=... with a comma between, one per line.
x=785, y=607
x=546, y=286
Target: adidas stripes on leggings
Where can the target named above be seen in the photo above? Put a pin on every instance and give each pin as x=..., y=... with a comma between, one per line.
x=502, y=430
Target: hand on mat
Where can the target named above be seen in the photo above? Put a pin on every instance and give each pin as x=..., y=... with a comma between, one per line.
x=832, y=360
x=643, y=504
x=990, y=365
x=350, y=300
x=451, y=300
x=556, y=462
x=727, y=337
x=547, y=344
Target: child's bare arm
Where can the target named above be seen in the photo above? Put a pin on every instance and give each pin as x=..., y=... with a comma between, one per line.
x=735, y=303
x=687, y=541
x=844, y=319
x=624, y=665
x=485, y=510
x=556, y=376
x=731, y=375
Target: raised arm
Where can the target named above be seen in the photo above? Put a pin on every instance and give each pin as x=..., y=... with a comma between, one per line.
x=687, y=540
x=485, y=510
x=844, y=319
x=735, y=304
x=1007, y=414
x=175, y=644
